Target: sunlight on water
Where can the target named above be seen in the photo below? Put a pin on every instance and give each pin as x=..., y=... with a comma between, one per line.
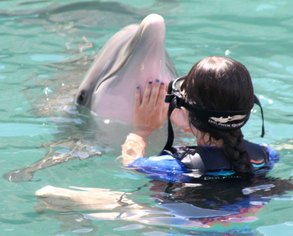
x=47, y=47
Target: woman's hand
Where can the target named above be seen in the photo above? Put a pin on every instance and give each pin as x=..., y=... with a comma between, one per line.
x=150, y=110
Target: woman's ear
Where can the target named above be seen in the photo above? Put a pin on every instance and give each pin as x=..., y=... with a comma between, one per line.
x=179, y=117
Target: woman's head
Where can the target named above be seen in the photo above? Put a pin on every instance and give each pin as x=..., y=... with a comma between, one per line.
x=224, y=85
x=219, y=83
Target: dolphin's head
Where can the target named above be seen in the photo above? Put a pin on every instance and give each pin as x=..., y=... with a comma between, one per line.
x=132, y=57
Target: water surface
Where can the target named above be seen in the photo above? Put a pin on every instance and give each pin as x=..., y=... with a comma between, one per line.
x=46, y=48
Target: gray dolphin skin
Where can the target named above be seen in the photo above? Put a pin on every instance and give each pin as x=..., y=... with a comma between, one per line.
x=132, y=57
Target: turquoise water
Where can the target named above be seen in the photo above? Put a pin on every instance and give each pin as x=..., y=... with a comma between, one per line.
x=46, y=48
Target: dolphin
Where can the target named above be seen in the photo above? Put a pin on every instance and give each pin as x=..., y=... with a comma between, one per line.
x=132, y=57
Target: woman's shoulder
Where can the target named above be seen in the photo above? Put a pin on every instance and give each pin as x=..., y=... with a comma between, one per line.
x=185, y=163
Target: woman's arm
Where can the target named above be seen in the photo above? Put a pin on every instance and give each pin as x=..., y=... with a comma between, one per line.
x=150, y=112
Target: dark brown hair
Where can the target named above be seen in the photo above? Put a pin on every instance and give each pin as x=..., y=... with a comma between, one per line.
x=221, y=84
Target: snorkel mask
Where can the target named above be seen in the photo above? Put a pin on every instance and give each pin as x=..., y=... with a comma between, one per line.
x=224, y=121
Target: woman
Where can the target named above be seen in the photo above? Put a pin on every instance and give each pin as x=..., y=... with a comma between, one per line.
x=217, y=97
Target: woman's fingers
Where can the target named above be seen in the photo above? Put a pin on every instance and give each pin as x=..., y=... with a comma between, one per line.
x=147, y=93
x=155, y=93
x=137, y=98
x=150, y=110
x=162, y=94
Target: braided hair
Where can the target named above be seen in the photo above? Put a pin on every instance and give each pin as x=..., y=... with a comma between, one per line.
x=221, y=83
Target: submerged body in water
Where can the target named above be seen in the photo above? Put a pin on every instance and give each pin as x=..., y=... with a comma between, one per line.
x=177, y=204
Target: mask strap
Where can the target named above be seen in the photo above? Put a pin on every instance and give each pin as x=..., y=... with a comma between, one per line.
x=173, y=101
x=257, y=102
x=169, y=143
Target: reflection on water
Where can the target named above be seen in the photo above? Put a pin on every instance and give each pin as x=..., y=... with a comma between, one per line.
x=199, y=206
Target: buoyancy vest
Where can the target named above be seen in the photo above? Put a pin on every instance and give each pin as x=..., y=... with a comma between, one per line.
x=197, y=163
